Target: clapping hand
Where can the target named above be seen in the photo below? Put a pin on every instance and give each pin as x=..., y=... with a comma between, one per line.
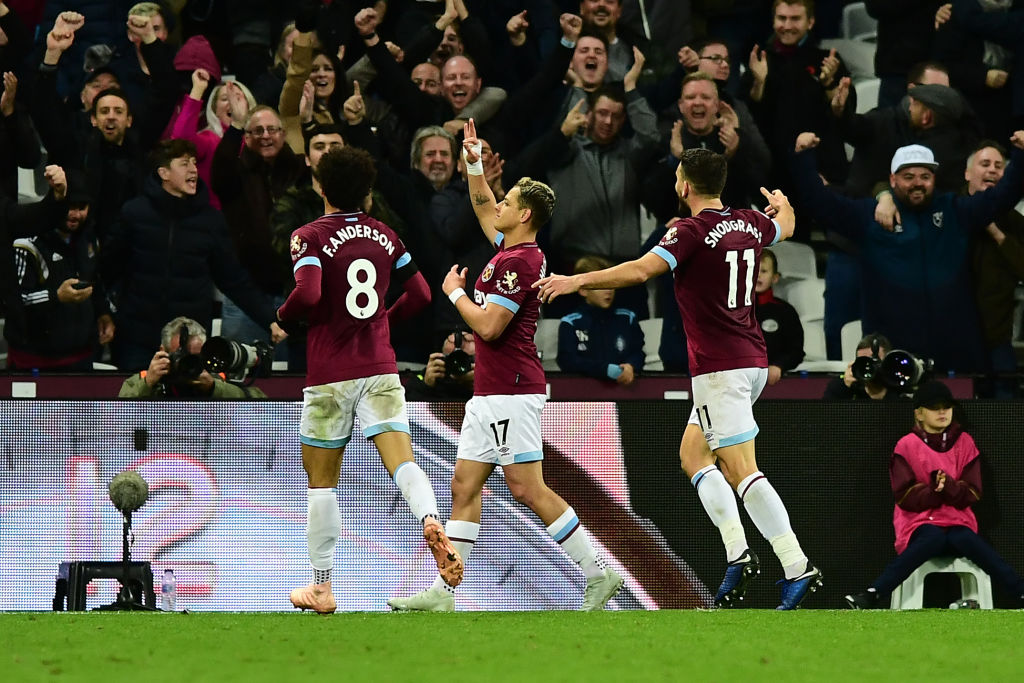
x=829, y=69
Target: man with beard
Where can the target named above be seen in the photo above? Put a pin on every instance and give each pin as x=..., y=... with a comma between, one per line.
x=112, y=151
x=920, y=293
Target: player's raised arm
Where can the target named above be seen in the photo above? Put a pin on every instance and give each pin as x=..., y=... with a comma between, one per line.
x=479, y=191
x=623, y=275
x=781, y=211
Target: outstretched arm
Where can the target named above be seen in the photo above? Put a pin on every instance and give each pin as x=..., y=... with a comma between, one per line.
x=479, y=191
x=625, y=274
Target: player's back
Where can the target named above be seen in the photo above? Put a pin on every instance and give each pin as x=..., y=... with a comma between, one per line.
x=509, y=364
x=718, y=255
x=349, y=336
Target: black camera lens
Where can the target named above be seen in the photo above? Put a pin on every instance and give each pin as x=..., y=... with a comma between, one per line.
x=458, y=363
x=865, y=367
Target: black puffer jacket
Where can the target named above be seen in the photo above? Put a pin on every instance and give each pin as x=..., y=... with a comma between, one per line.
x=164, y=256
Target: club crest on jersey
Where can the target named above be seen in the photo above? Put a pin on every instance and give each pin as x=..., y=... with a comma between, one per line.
x=298, y=246
x=937, y=219
x=671, y=237
x=509, y=283
x=488, y=272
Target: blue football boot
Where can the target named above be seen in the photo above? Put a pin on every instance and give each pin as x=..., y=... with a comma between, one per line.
x=738, y=576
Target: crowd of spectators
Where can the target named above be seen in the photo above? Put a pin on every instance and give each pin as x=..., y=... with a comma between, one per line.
x=187, y=130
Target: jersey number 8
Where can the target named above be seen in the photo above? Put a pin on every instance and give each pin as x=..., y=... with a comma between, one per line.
x=362, y=277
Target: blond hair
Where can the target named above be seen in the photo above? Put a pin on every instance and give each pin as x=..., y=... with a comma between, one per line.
x=145, y=9
x=538, y=198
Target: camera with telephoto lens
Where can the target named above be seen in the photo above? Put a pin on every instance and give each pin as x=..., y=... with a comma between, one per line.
x=457, y=362
x=898, y=370
x=235, y=359
x=185, y=368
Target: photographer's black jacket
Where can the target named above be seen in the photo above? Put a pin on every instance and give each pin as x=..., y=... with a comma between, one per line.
x=162, y=259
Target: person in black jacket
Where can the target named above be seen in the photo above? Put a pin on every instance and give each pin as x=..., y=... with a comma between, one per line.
x=26, y=220
x=165, y=254
x=598, y=340
x=906, y=31
x=64, y=312
x=780, y=323
x=789, y=85
x=112, y=151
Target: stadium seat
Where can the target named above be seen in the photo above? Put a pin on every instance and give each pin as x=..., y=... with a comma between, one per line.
x=867, y=94
x=796, y=260
x=814, y=340
x=857, y=24
x=807, y=297
x=652, y=339
x=547, y=342
x=849, y=337
x=974, y=583
x=858, y=56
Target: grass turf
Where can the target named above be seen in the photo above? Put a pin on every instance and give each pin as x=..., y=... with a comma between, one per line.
x=740, y=645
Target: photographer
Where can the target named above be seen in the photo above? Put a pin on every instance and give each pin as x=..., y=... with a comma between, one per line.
x=449, y=372
x=177, y=372
x=850, y=387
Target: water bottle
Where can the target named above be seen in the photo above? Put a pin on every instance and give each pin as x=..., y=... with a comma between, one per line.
x=965, y=604
x=168, y=591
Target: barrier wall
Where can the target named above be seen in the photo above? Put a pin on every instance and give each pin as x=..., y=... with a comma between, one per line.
x=227, y=505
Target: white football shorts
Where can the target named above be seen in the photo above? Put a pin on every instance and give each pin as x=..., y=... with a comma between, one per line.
x=328, y=410
x=722, y=404
x=502, y=429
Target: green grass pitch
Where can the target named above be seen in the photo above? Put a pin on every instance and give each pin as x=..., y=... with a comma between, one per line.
x=740, y=645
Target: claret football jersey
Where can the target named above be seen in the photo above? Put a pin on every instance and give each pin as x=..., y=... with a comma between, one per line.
x=349, y=336
x=509, y=364
x=715, y=257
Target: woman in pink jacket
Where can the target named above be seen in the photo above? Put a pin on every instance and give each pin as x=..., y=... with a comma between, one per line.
x=936, y=477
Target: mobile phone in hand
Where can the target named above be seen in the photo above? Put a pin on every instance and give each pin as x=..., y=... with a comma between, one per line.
x=81, y=284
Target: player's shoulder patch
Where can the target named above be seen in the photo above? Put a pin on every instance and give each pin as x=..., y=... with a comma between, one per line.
x=298, y=245
x=488, y=273
x=508, y=281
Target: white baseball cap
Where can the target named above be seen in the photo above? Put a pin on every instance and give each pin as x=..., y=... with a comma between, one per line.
x=913, y=155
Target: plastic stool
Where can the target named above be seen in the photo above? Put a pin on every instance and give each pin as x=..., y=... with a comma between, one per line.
x=139, y=579
x=974, y=583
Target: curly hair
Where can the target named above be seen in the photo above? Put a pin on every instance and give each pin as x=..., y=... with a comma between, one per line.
x=346, y=176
